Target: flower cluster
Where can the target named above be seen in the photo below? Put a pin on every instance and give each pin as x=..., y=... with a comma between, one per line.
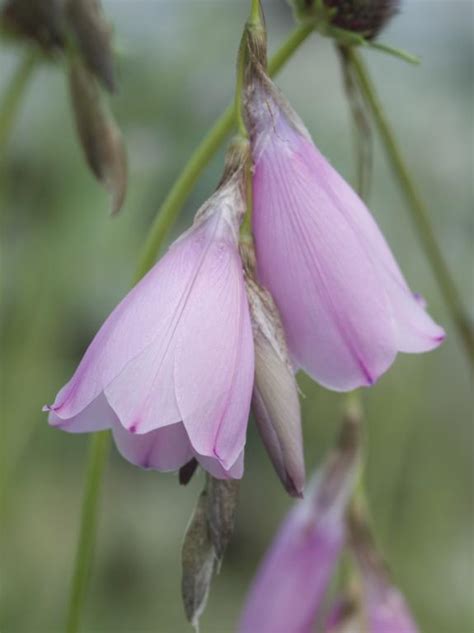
x=214, y=327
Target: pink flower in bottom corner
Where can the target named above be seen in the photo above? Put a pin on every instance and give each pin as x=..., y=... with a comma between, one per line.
x=345, y=305
x=171, y=370
x=291, y=583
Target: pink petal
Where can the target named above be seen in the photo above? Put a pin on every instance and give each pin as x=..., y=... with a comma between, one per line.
x=291, y=583
x=97, y=416
x=335, y=311
x=148, y=312
x=214, y=365
x=416, y=331
x=167, y=448
x=214, y=467
x=345, y=305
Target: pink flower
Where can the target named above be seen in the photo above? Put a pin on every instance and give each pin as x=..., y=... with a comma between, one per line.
x=292, y=581
x=171, y=370
x=345, y=305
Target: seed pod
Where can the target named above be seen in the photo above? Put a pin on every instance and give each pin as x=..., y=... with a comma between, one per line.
x=93, y=35
x=99, y=135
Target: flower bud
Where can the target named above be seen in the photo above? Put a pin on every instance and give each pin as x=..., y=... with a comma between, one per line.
x=100, y=137
x=275, y=401
x=367, y=17
x=93, y=35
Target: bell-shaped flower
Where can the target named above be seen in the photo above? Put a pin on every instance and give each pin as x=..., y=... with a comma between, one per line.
x=345, y=305
x=291, y=583
x=275, y=401
x=171, y=370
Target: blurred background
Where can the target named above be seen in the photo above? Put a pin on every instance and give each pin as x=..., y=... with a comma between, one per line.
x=66, y=264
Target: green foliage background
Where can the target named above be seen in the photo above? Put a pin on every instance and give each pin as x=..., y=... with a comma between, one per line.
x=66, y=264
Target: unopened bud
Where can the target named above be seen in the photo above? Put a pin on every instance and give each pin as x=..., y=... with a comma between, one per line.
x=198, y=562
x=100, y=137
x=366, y=17
x=275, y=401
x=93, y=35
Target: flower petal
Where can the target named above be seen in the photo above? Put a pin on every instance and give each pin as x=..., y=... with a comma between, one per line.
x=167, y=448
x=214, y=467
x=97, y=416
x=214, y=356
x=336, y=314
x=149, y=311
x=416, y=331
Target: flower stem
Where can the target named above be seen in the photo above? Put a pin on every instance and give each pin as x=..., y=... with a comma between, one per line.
x=171, y=207
x=98, y=450
x=165, y=219
x=416, y=206
x=12, y=98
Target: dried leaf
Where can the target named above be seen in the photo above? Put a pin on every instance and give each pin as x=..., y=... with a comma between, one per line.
x=198, y=562
x=100, y=137
x=222, y=501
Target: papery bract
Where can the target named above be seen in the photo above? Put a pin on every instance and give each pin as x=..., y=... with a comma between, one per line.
x=275, y=401
x=292, y=580
x=345, y=305
x=171, y=370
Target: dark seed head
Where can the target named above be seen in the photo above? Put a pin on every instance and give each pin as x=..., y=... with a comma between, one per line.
x=367, y=17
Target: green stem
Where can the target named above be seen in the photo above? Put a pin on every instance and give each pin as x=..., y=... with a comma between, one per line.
x=12, y=98
x=417, y=208
x=98, y=450
x=172, y=205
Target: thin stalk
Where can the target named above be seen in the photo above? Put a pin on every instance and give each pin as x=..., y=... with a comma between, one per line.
x=98, y=450
x=15, y=90
x=173, y=203
x=416, y=206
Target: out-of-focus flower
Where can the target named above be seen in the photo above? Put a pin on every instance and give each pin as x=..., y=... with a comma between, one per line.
x=345, y=305
x=98, y=133
x=383, y=608
x=172, y=368
x=367, y=17
x=275, y=401
x=292, y=581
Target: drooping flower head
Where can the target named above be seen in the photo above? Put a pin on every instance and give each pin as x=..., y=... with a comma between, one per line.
x=345, y=305
x=171, y=370
x=292, y=580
